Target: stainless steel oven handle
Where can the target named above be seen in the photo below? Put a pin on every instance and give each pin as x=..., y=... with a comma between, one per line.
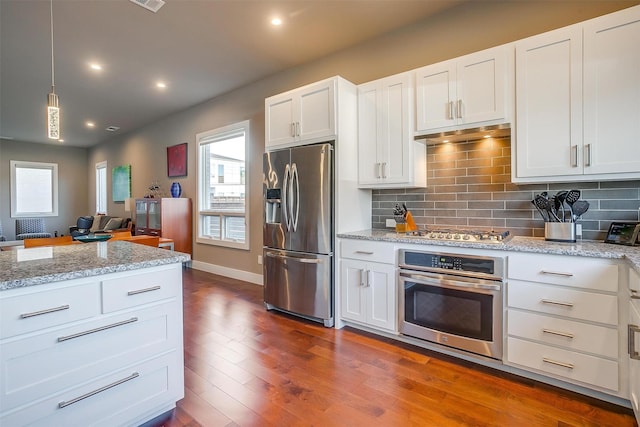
x=448, y=283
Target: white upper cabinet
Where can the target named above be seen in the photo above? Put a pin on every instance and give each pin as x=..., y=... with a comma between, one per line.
x=465, y=92
x=303, y=115
x=388, y=156
x=578, y=103
x=549, y=103
x=612, y=93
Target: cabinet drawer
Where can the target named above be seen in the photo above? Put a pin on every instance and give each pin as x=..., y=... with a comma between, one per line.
x=39, y=365
x=36, y=310
x=141, y=388
x=564, y=363
x=368, y=251
x=563, y=302
x=599, y=340
x=138, y=289
x=579, y=272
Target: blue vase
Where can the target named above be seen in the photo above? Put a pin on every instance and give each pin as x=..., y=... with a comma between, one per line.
x=176, y=189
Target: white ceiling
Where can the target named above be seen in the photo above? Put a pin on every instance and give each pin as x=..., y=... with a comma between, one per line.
x=200, y=48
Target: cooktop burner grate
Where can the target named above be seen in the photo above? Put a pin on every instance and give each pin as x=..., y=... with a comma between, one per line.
x=451, y=234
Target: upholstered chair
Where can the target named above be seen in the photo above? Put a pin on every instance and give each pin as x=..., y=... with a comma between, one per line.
x=30, y=228
x=82, y=227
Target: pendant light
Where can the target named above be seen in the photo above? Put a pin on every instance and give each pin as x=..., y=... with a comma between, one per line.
x=53, y=110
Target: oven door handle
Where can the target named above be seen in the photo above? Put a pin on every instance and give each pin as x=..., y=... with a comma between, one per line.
x=448, y=283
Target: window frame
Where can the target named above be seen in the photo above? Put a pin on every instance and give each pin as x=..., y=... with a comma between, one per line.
x=210, y=137
x=53, y=167
x=102, y=165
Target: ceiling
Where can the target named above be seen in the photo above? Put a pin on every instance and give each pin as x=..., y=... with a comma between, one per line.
x=201, y=49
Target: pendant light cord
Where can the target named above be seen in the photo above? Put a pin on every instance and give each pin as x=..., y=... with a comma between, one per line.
x=52, y=68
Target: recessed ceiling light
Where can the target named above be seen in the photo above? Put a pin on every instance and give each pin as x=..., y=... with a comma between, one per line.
x=90, y=124
x=95, y=66
x=161, y=85
x=276, y=21
x=112, y=128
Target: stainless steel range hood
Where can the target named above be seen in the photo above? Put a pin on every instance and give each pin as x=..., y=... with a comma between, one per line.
x=467, y=135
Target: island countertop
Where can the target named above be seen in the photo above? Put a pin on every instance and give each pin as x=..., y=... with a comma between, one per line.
x=41, y=265
x=582, y=248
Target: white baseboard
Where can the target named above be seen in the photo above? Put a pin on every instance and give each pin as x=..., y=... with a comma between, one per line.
x=227, y=272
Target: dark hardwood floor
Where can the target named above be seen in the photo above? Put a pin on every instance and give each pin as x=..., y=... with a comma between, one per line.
x=245, y=366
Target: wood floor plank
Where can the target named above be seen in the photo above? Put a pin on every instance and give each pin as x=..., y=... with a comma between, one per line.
x=245, y=366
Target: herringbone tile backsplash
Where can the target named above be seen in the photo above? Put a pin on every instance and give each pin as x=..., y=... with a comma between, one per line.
x=469, y=186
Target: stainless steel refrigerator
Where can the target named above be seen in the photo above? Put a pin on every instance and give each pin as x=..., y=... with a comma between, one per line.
x=298, y=231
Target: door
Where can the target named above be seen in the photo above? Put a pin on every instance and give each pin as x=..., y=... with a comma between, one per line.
x=317, y=113
x=549, y=104
x=299, y=283
x=612, y=93
x=309, y=200
x=352, y=297
x=395, y=136
x=381, y=288
x=274, y=231
x=368, y=131
x=481, y=81
x=634, y=357
x=435, y=92
x=280, y=119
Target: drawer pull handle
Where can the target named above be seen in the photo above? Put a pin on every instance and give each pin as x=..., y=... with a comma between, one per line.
x=364, y=252
x=141, y=291
x=556, y=273
x=99, y=390
x=555, y=362
x=46, y=311
x=564, y=304
x=560, y=334
x=632, y=342
x=101, y=328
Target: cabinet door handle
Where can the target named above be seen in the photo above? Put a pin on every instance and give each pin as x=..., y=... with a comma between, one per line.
x=563, y=304
x=297, y=128
x=141, y=291
x=96, y=391
x=574, y=156
x=101, y=328
x=293, y=129
x=557, y=363
x=366, y=276
x=364, y=252
x=451, y=114
x=362, y=276
x=587, y=155
x=632, y=342
x=558, y=333
x=556, y=273
x=45, y=311
x=384, y=169
x=459, y=109
x=377, y=170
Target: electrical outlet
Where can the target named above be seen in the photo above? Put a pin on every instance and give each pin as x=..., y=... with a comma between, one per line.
x=391, y=222
x=260, y=259
x=579, y=230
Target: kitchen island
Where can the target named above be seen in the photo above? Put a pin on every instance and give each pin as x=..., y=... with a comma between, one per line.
x=90, y=334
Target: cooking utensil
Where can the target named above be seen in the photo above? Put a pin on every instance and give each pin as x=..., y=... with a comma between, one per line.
x=545, y=218
x=544, y=204
x=571, y=198
x=579, y=208
x=559, y=202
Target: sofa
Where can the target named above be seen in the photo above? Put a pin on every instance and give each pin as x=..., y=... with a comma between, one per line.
x=107, y=224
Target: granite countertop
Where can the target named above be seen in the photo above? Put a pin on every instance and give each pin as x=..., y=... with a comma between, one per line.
x=583, y=248
x=41, y=265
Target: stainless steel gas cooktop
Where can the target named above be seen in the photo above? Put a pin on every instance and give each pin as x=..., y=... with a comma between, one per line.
x=450, y=234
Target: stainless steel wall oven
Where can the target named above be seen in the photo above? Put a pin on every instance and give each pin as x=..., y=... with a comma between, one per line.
x=452, y=299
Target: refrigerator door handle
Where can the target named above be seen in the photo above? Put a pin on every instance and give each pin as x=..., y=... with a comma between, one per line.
x=302, y=260
x=296, y=200
x=285, y=198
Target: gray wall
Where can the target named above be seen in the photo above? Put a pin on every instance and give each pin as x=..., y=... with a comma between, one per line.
x=469, y=186
x=73, y=192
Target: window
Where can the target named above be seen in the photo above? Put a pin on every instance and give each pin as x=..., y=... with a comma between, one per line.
x=34, y=189
x=101, y=188
x=222, y=190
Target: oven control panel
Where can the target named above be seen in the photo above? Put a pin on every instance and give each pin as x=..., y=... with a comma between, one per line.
x=430, y=261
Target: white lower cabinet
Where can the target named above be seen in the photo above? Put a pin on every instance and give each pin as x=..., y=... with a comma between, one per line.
x=112, y=357
x=368, y=287
x=633, y=345
x=562, y=319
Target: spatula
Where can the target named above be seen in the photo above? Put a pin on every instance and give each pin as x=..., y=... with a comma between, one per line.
x=571, y=198
x=579, y=208
x=559, y=202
